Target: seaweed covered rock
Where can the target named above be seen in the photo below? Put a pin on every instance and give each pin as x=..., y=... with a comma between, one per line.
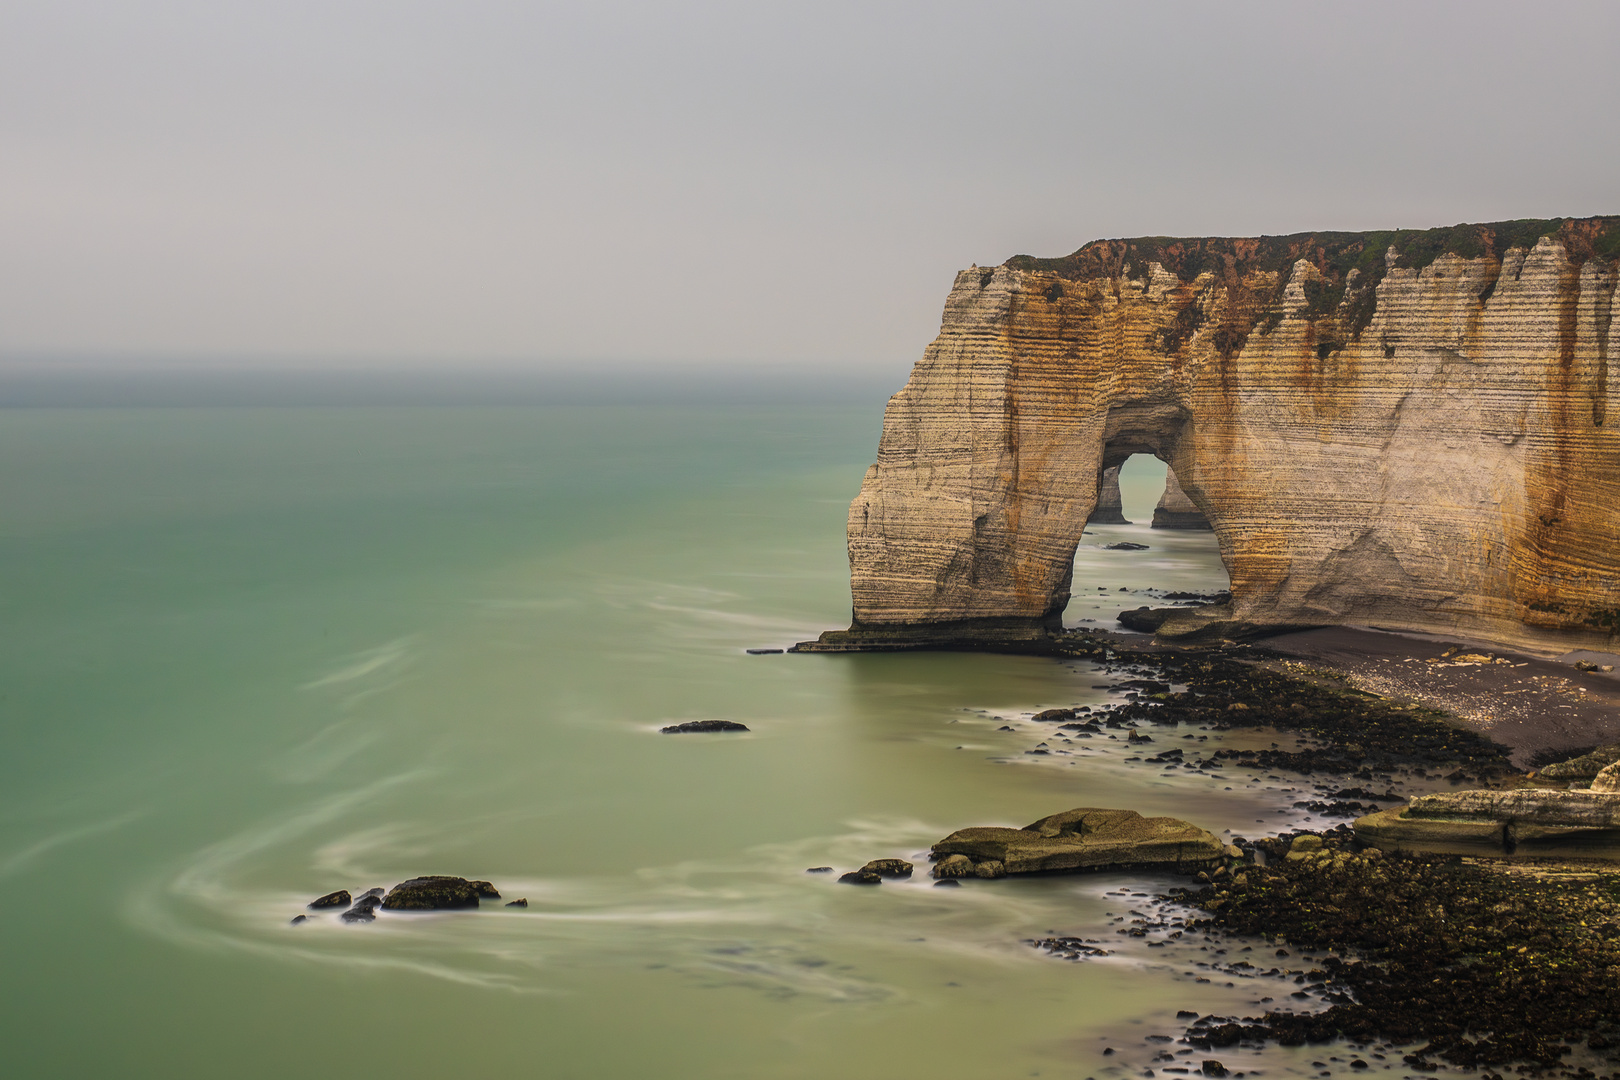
x=340, y=898
x=1086, y=838
x=1488, y=964
x=437, y=893
x=1584, y=767
x=890, y=868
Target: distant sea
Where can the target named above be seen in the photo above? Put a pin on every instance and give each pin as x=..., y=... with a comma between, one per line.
x=262, y=646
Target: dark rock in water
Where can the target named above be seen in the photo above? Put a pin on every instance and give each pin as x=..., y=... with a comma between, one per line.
x=1054, y=716
x=1137, y=736
x=485, y=889
x=1144, y=620
x=762, y=652
x=364, y=910
x=378, y=892
x=435, y=893
x=897, y=868
x=703, y=725
x=332, y=899
x=953, y=866
x=1214, y=1068
x=1125, y=545
x=296, y=919
x=819, y=870
x=522, y=901
x=947, y=883
x=861, y=877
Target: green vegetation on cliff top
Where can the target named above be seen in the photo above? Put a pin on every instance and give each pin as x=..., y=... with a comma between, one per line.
x=1351, y=265
x=1334, y=253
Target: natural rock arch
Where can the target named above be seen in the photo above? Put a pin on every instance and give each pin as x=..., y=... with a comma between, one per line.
x=1402, y=429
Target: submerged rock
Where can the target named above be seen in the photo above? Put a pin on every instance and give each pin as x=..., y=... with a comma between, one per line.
x=861, y=877
x=702, y=725
x=340, y=898
x=1086, y=838
x=436, y=893
x=296, y=919
x=521, y=901
x=1125, y=545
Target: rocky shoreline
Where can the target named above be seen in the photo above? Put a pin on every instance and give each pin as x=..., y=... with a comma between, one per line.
x=1486, y=963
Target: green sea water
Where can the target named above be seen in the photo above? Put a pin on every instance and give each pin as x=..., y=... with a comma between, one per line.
x=253, y=655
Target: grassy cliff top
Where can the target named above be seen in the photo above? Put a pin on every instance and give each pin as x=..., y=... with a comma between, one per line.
x=1335, y=253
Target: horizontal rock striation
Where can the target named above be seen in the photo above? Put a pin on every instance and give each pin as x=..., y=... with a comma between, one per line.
x=1175, y=510
x=1574, y=809
x=1412, y=430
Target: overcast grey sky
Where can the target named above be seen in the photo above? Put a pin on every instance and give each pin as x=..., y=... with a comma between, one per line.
x=479, y=182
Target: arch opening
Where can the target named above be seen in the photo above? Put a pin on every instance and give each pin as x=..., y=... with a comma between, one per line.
x=1147, y=551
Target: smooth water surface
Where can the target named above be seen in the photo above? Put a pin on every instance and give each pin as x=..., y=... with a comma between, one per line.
x=255, y=655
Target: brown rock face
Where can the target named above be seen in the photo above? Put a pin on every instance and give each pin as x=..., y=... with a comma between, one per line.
x=1087, y=838
x=1110, y=508
x=1406, y=429
x=1175, y=510
x=1594, y=809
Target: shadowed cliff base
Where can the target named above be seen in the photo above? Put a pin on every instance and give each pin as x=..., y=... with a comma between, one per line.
x=1531, y=706
x=1406, y=429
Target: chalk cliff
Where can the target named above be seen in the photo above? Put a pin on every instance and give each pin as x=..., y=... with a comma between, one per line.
x=1110, y=509
x=1175, y=510
x=1404, y=429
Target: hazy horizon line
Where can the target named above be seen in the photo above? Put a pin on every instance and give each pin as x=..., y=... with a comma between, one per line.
x=114, y=386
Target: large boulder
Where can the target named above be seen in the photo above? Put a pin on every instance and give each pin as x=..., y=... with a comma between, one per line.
x=437, y=893
x=1086, y=838
x=1584, y=767
x=1527, y=806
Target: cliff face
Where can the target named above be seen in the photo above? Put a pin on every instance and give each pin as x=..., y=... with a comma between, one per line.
x=1408, y=429
x=1110, y=508
x=1175, y=510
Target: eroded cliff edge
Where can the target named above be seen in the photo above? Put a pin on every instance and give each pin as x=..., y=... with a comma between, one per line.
x=1404, y=429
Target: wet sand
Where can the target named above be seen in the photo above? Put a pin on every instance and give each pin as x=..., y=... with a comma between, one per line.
x=1532, y=705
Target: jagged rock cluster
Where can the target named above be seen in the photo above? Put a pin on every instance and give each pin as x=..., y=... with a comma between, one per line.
x=1404, y=429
